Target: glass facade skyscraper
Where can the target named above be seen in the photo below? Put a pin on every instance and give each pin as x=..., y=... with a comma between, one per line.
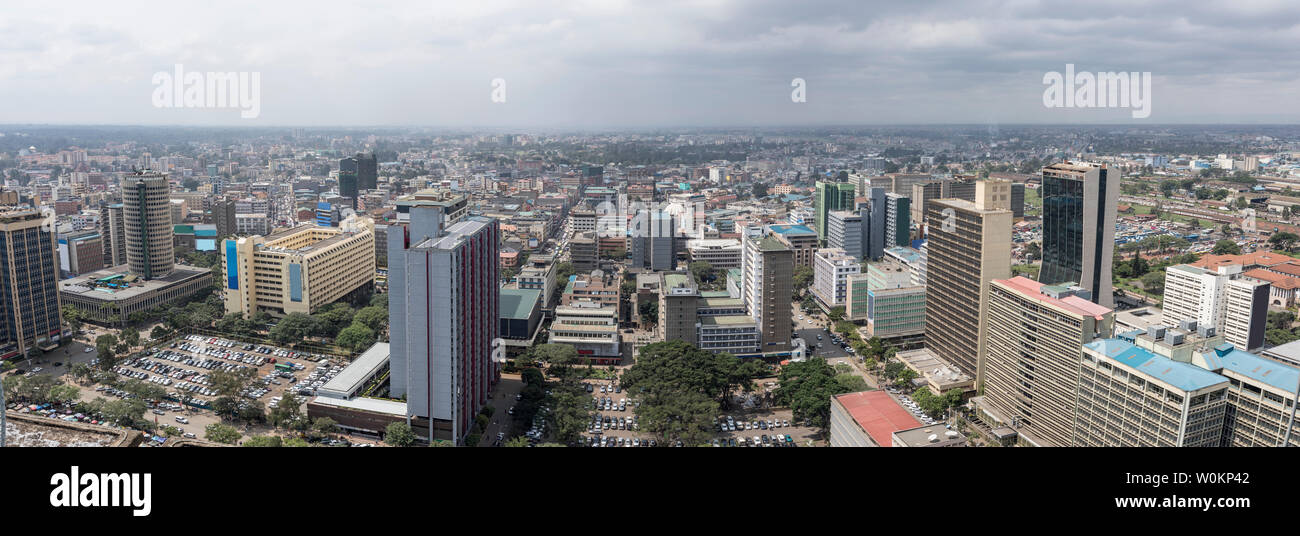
x=1079, y=228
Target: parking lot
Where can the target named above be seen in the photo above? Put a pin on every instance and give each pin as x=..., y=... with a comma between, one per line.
x=750, y=425
x=183, y=367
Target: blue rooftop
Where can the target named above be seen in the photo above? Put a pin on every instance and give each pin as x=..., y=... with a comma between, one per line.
x=792, y=229
x=1181, y=375
x=1257, y=368
x=908, y=255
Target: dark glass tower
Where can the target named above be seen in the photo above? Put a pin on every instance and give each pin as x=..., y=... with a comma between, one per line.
x=1079, y=227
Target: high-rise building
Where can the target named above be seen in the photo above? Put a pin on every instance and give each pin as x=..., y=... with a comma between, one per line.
x=969, y=246
x=443, y=301
x=829, y=197
x=831, y=270
x=875, y=218
x=801, y=241
x=1130, y=397
x=1223, y=299
x=81, y=252
x=298, y=270
x=147, y=218
x=29, y=290
x=1034, y=345
x=112, y=226
x=895, y=302
x=348, y=186
x=924, y=193
x=1079, y=203
x=768, y=287
x=583, y=252
x=1245, y=316
x=898, y=221
x=366, y=168
x=223, y=216
x=653, y=240
x=846, y=230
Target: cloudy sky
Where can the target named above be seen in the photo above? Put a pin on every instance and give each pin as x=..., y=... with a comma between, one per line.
x=611, y=63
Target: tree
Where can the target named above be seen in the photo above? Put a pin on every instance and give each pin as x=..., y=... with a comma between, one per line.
x=1154, y=282
x=287, y=411
x=221, y=433
x=702, y=270
x=649, y=311
x=373, y=317
x=807, y=387
x=264, y=441
x=836, y=314
x=399, y=434
x=379, y=300
x=295, y=327
x=760, y=189
x=1226, y=247
x=532, y=376
x=356, y=337
x=159, y=333
x=520, y=441
x=1284, y=239
x=803, y=276
x=131, y=337
x=1034, y=250
x=559, y=358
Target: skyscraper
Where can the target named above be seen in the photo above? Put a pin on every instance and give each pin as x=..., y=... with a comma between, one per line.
x=29, y=292
x=365, y=167
x=443, y=302
x=1079, y=203
x=1035, y=342
x=830, y=196
x=767, y=288
x=898, y=221
x=875, y=232
x=112, y=226
x=147, y=219
x=348, y=186
x=969, y=246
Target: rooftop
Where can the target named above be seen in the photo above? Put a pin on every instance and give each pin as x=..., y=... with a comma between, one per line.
x=878, y=414
x=1183, y=376
x=347, y=382
x=791, y=229
x=518, y=303
x=1273, y=373
x=1074, y=304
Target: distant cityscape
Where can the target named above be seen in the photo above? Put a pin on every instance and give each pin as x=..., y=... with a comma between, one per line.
x=872, y=286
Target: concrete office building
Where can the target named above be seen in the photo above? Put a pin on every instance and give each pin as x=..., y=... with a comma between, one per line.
x=112, y=226
x=29, y=291
x=591, y=328
x=581, y=220
x=923, y=194
x=895, y=306
x=847, y=231
x=1034, y=338
x=966, y=250
x=678, y=303
x=799, y=239
x=867, y=419
x=1079, y=203
x=913, y=259
x=1222, y=298
x=223, y=216
x=1245, y=316
x=830, y=197
x=768, y=287
x=831, y=270
x=583, y=252
x=147, y=220
x=538, y=273
x=454, y=206
x=443, y=299
x=81, y=252
x=298, y=270
x=1130, y=397
x=898, y=221
x=721, y=253
x=653, y=240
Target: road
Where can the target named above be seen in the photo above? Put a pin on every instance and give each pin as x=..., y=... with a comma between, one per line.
x=503, y=396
